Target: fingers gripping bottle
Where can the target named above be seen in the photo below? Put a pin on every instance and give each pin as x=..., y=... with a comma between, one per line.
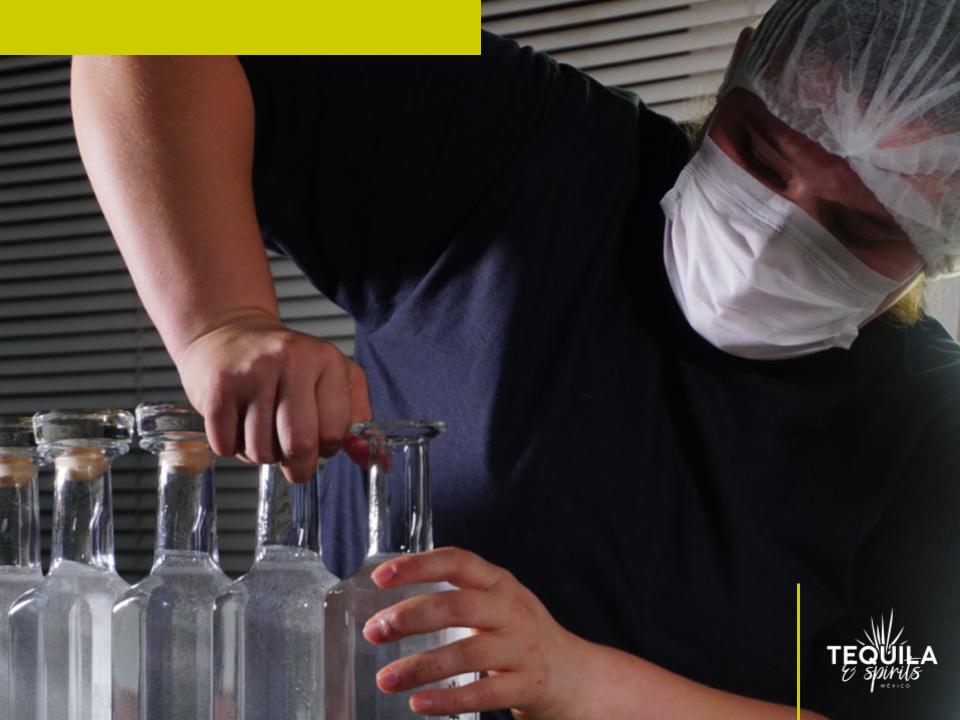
x=19, y=529
x=400, y=522
x=268, y=626
x=163, y=625
x=60, y=630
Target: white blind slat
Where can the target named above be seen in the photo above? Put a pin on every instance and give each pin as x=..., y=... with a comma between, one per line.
x=338, y=329
x=695, y=86
x=26, y=212
x=41, y=95
x=35, y=134
x=719, y=35
x=707, y=13
x=101, y=302
x=21, y=63
x=491, y=9
x=614, y=10
x=110, y=324
x=57, y=267
x=73, y=285
x=41, y=173
x=694, y=63
x=40, y=77
x=61, y=247
x=88, y=382
x=65, y=286
x=57, y=190
x=48, y=114
x=64, y=364
x=27, y=154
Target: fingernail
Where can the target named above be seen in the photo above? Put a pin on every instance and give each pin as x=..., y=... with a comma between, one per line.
x=388, y=680
x=384, y=573
x=419, y=704
x=375, y=630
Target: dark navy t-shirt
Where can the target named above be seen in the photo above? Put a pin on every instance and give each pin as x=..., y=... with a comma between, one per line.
x=493, y=225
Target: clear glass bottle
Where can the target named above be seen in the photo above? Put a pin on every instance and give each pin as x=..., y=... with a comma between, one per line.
x=400, y=522
x=19, y=528
x=162, y=626
x=60, y=630
x=268, y=627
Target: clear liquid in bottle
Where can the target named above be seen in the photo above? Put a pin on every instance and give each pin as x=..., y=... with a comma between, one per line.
x=19, y=529
x=400, y=522
x=61, y=630
x=268, y=626
x=162, y=626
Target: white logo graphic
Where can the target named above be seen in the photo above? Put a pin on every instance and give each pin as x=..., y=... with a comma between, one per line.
x=888, y=662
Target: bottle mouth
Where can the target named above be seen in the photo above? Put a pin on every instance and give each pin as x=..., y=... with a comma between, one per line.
x=16, y=435
x=398, y=432
x=163, y=425
x=79, y=425
x=80, y=433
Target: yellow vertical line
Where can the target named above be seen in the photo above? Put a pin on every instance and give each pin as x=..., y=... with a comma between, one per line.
x=798, y=651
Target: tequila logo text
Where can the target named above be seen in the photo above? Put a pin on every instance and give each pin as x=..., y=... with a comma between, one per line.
x=885, y=658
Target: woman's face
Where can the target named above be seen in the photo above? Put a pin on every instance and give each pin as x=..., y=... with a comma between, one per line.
x=823, y=185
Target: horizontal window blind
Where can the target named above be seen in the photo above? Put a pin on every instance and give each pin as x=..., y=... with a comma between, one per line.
x=672, y=54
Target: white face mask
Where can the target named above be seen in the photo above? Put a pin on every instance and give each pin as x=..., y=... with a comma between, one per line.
x=754, y=274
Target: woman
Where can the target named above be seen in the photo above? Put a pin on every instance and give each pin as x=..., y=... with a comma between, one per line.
x=661, y=417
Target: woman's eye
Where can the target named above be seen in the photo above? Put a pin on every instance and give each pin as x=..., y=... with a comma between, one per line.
x=856, y=237
x=764, y=168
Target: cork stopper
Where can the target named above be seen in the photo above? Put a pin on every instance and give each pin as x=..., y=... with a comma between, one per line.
x=187, y=457
x=175, y=432
x=16, y=470
x=83, y=464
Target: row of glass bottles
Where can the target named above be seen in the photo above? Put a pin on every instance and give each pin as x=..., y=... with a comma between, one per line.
x=184, y=643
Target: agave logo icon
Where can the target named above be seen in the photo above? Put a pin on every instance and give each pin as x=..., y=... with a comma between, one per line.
x=888, y=662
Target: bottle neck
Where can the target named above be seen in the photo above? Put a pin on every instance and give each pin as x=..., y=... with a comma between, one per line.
x=82, y=510
x=186, y=509
x=19, y=513
x=287, y=514
x=399, y=497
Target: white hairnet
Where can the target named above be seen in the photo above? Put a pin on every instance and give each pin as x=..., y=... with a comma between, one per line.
x=876, y=82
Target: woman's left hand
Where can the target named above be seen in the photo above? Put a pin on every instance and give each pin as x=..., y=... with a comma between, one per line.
x=530, y=660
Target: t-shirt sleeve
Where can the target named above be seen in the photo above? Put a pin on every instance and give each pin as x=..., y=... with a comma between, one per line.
x=908, y=567
x=364, y=167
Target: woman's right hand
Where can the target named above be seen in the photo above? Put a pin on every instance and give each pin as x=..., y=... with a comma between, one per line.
x=168, y=143
x=271, y=394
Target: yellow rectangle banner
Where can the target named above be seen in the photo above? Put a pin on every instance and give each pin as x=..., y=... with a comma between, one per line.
x=212, y=27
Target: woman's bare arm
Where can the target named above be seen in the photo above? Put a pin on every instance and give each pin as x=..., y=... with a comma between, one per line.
x=168, y=145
